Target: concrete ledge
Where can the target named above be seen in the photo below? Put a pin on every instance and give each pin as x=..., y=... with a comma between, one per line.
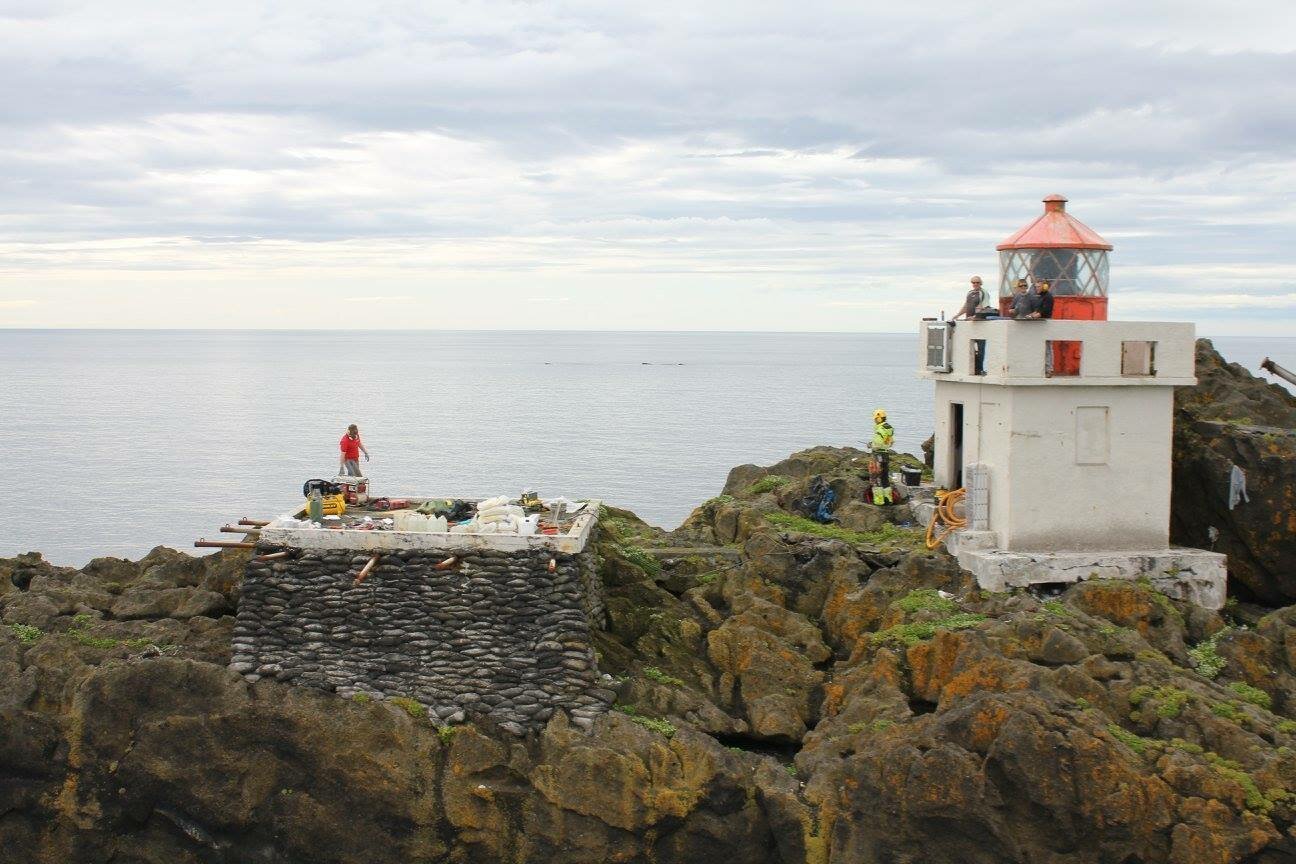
x=1194, y=575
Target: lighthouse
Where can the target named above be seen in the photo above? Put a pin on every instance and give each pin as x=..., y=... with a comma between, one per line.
x=1060, y=430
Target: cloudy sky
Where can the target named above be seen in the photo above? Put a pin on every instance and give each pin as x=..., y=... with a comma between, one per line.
x=664, y=165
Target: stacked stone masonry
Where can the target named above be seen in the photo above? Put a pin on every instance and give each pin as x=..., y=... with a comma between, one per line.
x=497, y=636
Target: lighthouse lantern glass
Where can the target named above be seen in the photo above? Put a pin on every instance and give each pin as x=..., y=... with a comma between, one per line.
x=1069, y=272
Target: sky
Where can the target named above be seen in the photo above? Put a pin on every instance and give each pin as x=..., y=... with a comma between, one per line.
x=649, y=166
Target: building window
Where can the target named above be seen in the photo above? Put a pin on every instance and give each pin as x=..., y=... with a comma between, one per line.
x=978, y=356
x=1062, y=358
x=1138, y=359
x=1092, y=435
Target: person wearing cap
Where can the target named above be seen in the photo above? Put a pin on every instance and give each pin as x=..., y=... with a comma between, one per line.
x=1022, y=304
x=976, y=299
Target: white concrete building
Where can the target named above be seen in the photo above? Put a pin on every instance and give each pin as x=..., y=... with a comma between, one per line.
x=1060, y=431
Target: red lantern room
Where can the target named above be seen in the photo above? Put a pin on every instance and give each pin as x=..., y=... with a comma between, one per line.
x=1065, y=252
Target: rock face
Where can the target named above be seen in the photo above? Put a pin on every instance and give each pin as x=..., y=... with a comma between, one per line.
x=1233, y=418
x=496, y=635
x=804, y=695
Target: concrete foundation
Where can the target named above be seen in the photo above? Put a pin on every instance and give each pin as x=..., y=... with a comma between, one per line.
x=1194, y=575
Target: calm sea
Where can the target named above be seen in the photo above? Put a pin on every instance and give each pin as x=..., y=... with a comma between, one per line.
x=118, y=441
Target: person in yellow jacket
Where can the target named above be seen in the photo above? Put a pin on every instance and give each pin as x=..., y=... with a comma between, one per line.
x=883, y=439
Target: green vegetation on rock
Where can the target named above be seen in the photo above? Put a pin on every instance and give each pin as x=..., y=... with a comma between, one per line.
x=652, y=673
x=641, y=558
x=888, y=536
x=26, y=633
x=412, y=707
x=1206, y=658
x=904, y=635
x=1254, y=695
x=1169, y=701
x=653, y=724
x=768, y=484
x=926, y=599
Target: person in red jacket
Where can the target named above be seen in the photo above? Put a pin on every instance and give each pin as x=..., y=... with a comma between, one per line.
x=351, y=450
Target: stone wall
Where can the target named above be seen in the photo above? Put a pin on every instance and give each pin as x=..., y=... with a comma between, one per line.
x=496, y=636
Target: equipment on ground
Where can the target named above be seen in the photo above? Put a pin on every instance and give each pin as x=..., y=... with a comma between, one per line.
x=946, y=504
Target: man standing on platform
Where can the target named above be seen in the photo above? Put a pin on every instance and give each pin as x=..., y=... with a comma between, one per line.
x=351, y=448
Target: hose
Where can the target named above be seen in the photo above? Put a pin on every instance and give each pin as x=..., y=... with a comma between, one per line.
x=945, y=504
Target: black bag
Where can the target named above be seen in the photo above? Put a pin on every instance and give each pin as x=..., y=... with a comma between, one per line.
x=325, y=487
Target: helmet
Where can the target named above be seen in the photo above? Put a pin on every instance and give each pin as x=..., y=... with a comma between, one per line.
x=879, y=415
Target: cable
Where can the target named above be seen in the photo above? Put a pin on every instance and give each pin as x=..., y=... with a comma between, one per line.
x=945, y=504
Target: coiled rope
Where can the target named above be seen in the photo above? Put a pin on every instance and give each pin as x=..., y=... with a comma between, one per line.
x=945, y=504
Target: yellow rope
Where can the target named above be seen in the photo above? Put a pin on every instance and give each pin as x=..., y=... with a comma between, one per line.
x=945, y=503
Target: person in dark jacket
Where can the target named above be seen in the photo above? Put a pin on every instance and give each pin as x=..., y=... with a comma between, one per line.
x=1022, y=305
x=1043, y=302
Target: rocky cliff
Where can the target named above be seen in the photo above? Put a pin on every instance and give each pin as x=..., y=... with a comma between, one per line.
x=786, y=692
x=1232, y=418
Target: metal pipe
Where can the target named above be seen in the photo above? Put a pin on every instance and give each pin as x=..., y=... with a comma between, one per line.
x=234, y=529
x=223, y=544
x=258, y=523
x=273, y=556
x=1274, y=369
x=366, y=569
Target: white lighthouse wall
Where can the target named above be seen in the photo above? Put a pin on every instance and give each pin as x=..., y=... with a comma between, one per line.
x=1070, y=468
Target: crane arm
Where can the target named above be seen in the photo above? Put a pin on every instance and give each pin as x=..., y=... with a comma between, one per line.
x=1274, y=369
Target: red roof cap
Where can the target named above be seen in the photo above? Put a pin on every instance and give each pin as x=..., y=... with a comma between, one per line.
x=1055, y=229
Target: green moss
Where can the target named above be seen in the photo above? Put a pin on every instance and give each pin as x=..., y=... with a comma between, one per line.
x=1168, y=701
x=654, y=724
x=889, y=536
x=26, y=633
x=362, y=698
x=1255, y=799
x=708, y=578
x=641, y=558
x=1206, y=658
x=81, y=637
x=1254, y=695
x=447, y=734
x=1228, y=710
x=928, y=599
x=1057, y=607
x=83, y=620
x=768, y=484
x=1287, y=727
x=1187, y=746
x=790, y=769
x=1137, y=743
x=718, y=500
x=904, y=635
x=1082, y=703
x=412, y=707
x=652, y=673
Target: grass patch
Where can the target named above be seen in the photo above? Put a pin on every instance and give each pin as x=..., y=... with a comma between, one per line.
x=26, y=633
x=888, y=535
x=718, y=500
x=1229, y=711
x=1168, y=702
x=1206, y=658
x=412, y=707
x=362, y=698
x=904, y=635
x=653, y=724
x=1254, y=695
x=1058, y=608
x=89, y=640
x=768, y=484
x=641, y=559
x=1137, y=743
x=1287, y=727
x=652, y=673
x=926, y=599
x=1256, y=801
x=447, y=734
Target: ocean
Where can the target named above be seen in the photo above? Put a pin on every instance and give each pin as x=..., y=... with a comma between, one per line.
x=119, y=441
